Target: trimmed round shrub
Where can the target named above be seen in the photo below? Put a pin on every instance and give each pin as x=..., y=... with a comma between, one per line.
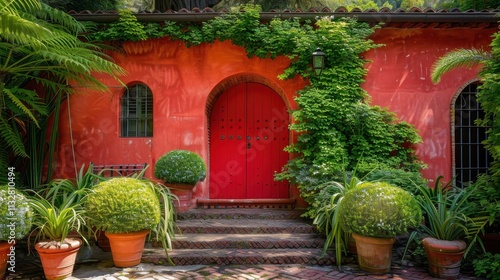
x=379, y=210
x=122, y=205
x=180, y=167
x=15, y=214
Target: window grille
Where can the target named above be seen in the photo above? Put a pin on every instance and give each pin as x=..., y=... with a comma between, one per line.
x=137, y=112
x=471, y=157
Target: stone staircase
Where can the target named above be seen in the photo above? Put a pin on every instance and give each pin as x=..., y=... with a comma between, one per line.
x=249, y=236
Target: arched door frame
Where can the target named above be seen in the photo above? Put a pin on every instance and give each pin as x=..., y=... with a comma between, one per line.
x=233, y=81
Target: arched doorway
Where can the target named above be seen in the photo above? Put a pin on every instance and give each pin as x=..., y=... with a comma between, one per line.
x=248, y=132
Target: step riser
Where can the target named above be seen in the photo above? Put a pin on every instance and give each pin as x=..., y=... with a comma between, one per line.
x=237, y=214
x=235, y=230
x=248, y=245
x=236, y=260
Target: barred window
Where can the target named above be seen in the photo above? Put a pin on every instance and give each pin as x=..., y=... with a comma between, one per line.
x=137, y=112
x=471, y=157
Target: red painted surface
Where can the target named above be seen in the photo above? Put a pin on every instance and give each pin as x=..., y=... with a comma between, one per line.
x=248, y=132
x=186, y=83
x=399, y=79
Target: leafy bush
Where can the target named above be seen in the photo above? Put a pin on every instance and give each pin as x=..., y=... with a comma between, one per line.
x=379, y=210
x=180, y=167
x=123, y=205
x=485, y=198
x=14, y=208
x=488, y=266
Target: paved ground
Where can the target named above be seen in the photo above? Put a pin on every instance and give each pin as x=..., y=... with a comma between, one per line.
x=99, y=266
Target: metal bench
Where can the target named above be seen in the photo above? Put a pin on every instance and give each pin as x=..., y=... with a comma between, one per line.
x=117, y=170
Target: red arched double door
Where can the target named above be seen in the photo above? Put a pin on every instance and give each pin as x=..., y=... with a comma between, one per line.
x=248, y=131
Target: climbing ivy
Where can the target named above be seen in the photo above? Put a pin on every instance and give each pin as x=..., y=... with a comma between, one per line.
x=337, y=127
x=489, y=99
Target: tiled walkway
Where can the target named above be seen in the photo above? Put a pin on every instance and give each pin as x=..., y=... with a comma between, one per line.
x=150, y=272
x=100, y=267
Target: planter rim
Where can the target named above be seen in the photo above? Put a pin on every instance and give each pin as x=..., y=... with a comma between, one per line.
x=445, y=246
x=67, y=244
x=379, y=240
x=127, y=234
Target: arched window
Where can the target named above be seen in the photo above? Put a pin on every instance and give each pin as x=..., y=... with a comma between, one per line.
x=137, y=112
x=471, y=157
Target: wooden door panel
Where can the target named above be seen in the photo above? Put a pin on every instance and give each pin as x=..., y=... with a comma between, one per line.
x=248, y=131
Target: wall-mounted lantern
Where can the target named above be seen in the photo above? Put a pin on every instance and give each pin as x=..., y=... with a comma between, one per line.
x=318, y=61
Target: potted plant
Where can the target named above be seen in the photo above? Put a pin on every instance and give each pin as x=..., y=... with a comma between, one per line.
x=127, y=210
x=181, y=170
x=375, y=213
x=326, y=216
x=15, y=222
x=447, y=228
x=53, y=226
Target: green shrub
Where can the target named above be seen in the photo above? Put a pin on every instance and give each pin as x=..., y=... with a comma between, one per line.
x=379, y=210
x=180, y=167
x=19, y=213
x=123, y=205
x=488, y=266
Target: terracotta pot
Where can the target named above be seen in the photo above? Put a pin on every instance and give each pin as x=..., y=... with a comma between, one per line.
x=4, y=250
x=374, y=254
x=103, y=241
x=58, y=258
x=127, y=248
x=185, y=193
x=444, y=257
x=352, y=245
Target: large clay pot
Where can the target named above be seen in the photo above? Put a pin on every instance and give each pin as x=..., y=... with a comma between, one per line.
x=58, y=258
x=4, y=251
x=444, y=257
x=184, y=192
x=126, y=248
x=374, y=254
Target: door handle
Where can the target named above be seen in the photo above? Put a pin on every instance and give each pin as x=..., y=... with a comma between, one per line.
x=249, y=146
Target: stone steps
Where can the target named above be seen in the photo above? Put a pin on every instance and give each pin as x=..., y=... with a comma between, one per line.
x=250, y=236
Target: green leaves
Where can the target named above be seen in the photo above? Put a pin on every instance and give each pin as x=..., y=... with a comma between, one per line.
x=123, y=205
x=467, y=58
x=55, y=222
x=180, y=167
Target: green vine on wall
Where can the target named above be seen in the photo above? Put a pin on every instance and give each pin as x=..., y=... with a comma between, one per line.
x=337, y=127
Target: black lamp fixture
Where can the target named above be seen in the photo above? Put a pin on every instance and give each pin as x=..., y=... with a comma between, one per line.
x=318, y=61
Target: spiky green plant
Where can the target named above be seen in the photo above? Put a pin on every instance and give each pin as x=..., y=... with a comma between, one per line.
x=56, y=222
x=445, y=209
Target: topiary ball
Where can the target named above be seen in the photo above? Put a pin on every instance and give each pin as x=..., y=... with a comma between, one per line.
x=379, y=210
x=180, y=167
x=15, y=214
x=122, y=205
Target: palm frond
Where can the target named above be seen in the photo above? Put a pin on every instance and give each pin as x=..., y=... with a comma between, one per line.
x=467, y=58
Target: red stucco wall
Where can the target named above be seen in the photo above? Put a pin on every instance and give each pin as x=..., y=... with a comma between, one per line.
x=399, y=79
x=185, y=82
